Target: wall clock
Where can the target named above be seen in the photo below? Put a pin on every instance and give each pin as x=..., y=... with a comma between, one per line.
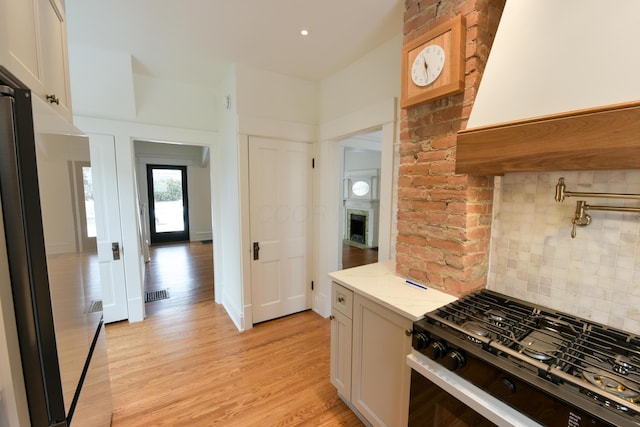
x=433, y=64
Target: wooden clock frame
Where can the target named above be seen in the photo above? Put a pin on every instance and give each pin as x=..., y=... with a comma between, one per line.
x=451, y=37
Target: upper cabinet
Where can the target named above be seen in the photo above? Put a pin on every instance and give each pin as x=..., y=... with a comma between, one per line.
x=33, y=47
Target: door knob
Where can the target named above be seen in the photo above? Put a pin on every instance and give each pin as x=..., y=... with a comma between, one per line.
x=115, y=248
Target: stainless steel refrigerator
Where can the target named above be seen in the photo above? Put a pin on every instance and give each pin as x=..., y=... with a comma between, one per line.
x=59, y=325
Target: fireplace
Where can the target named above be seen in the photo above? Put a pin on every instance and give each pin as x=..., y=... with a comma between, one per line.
x=361, y=208
x=358, y=228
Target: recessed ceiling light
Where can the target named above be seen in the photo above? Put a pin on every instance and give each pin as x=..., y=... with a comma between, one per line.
x=304, y=32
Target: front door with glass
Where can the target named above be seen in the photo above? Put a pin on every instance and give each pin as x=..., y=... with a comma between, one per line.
x=168, y=203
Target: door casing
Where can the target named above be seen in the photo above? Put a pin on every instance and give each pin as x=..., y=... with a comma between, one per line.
x=108, y=227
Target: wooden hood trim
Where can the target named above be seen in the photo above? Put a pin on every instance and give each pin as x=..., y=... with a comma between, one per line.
x=605, y=137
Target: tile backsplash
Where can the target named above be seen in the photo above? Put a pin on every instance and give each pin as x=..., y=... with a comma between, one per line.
x=533, y=257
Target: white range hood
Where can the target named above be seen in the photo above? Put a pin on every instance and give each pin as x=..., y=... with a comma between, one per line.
x=554, y=56
x=561, y=90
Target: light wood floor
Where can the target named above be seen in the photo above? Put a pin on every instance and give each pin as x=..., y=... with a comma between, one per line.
x=187, y=365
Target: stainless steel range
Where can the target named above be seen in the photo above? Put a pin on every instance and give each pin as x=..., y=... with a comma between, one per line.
x=557, y=369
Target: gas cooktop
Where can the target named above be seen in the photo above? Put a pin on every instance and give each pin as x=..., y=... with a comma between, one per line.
x=571, y=353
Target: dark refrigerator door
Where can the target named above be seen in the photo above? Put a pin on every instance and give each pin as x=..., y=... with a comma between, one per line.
x=27, y=258
x=64, y=172
x=94, y=406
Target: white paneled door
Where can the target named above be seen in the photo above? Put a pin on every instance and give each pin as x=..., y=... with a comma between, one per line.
x=108, y=231
x=280, y=215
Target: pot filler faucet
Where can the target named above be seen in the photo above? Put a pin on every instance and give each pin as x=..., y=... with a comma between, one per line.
x=581, y=218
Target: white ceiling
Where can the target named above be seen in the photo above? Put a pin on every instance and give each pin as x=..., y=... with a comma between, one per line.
x=194, y=41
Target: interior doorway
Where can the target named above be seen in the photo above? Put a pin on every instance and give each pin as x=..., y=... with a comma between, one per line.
x=362, y=158
x=168, y=203
x=176, y=271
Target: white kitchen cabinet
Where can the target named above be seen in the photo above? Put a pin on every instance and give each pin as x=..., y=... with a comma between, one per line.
x=20, y=53
x=368, y=362
x=33, y=47
x=341, y=333
x=380, y=377
x=341, y=339
x=55, y=57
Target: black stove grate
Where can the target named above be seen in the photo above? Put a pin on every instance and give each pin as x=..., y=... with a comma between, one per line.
x=596, y=360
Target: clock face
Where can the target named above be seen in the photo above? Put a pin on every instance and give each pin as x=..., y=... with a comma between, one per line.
x=428, y=65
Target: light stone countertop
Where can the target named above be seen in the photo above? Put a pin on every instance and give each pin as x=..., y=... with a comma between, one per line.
x=379, y=282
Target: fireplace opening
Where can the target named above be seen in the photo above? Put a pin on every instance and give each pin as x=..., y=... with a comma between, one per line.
x=357, y=226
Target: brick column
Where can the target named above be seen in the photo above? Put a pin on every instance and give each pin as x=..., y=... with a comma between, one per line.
x=444, y=219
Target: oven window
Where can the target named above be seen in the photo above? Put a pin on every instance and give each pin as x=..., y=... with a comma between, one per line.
x=432, y=406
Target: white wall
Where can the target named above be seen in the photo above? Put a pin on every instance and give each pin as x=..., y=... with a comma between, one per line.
x=104, y=86
x=102, y=83
x=358, y=159
x=576, y=52
x=175, y=104
x=266, y=94
x=200, y=220
x=228, y=273
x=367, y=81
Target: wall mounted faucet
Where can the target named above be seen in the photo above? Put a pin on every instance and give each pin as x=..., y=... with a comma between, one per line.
x=581, y=217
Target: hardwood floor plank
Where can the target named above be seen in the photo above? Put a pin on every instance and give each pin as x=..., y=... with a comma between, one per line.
x=187, y=365
x=355, y=257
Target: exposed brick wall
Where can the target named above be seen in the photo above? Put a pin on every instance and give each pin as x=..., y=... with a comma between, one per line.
x=444, y=219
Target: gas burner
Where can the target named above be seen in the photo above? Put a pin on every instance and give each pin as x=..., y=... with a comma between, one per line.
x=475, y=329
x=607, y=402
x=621, y=364
x=555, y=325
x=496, y=316
x=611, y=384
x=537, y=345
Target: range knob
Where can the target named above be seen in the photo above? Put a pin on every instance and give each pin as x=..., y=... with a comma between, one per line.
x=419, y=340
x=510, y=386
x=454, y=360
x=436, y=350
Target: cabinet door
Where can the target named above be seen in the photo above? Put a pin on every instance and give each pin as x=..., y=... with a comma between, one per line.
x=341, y=353
x=24, y=57
x=54, y=54
x=380, y=377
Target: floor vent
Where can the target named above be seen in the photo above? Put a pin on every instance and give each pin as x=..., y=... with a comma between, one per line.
x=96, y=306
x=156, y=295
